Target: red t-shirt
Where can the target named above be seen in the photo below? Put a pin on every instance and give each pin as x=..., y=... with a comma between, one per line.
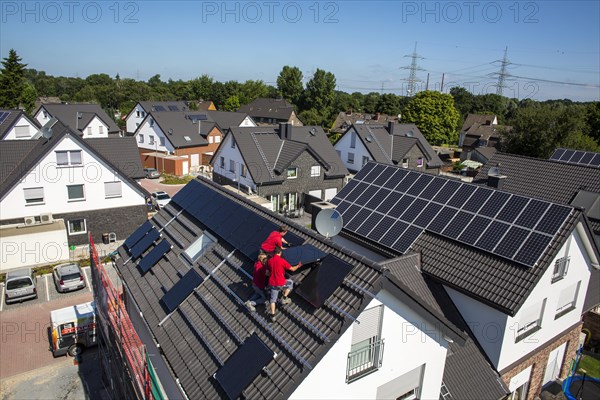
x=273, y=240
x=277, y=266
x=260, y=274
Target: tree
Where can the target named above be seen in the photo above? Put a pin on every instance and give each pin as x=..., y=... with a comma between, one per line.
x=12, y=80
x=389, y=104
x=463, y=100
x=202, y=87
x=435, y=116
x=28, y=98
x=232, y=103
x=593, y=120
x=289, y=84
x=251, y=90
x=370, y=102
x=310, y=117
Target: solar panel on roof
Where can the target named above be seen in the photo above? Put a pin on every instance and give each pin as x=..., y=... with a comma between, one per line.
x=403, y=203
x=587, y=157
x=407, y=239
x=493, y=234
x=428, y=214
x=512, y=241
x=173, y=108
x=420, y=184
x=413, y=210
x=323, y=280
x=566, y=156
x=181, y=290
x=367, y=226
x=461, y=196
x=344, y=192
x=154, y=255
x=383, y=177
x=371, y=172
x=144, y=243
x=577, y=156
x=494, y=204
x=4, y=115
x=442, y=219
x=553, y=219
x=512, y=209
x=477, y=200
x=243, y=366
x=381, y=228
x=456, y=226
x=394, y=233
x=595, y=161
x=358, y=219
x=474, y=230
x=535, y=245
x=532, y=213
x=137, y=235
x=446, y=192
x=406, y=183
x=198, y=117
x=159, y=108
x=557, y=154
x=367, y=194
x=306, y=254
x=376, y=200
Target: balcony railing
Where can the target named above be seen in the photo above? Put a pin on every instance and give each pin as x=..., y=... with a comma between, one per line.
x=364, y=361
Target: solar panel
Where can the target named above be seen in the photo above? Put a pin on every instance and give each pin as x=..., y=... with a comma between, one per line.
x=4, y=115
x=406, y=183
x=342, y=206
x=512, y=209
x=344, y=192
x=358, y=219
x=566, y=156
x=407, y=239
x=477, y=200
x=173, y=108
x=512, y=241
x=461, y=196
x=395, y=178
x=401, y=206
x=557, y=154
x=441, y=220
x=381, y=228
x=535, y=245
x=367, y=226
x=420, y=184
x=144, y=243
x=494, y=204
x=154, y=255
x=446, y=192
x=474, y=230
x=367, y=195
x=388, y=203
x=413, y=210
x=323, y=280
x=456, y=226
x=378, y=198
x=373, y=171
x=181, y=290
x=587, y=157
x=394, y=233
x=306, y=254
x=492, y=235
x=383, y=177
x=243, y=366
x=595, y=161
x=576, y=157
x=137, y=235
x=428, y=214
x=159, y=108
x=356, y=192
x=553, y=219
x=532, y=213
x=432, y=188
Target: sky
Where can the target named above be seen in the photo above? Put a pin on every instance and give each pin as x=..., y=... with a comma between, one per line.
x=553, y=47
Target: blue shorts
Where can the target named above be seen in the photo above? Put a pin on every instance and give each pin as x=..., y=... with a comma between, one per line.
x=289, y=284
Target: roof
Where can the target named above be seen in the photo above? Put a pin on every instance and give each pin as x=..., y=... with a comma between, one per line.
x=152, y=106
x=20, y=156
x=533, y=176
x=344, y=120
x=227, y=119
x=121, y=152
x=576, y=157
x=177, y=126
x=8, y=121
x=208, y=327
x=67, y=114
x=256, y=142
x=486, y=152
x=278, y=109
x=479, y=119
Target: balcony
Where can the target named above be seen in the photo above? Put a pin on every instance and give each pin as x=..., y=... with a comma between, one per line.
x=364, y=361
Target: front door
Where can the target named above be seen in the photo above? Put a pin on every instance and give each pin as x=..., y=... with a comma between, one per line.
x=555, y=360
x=185, y=167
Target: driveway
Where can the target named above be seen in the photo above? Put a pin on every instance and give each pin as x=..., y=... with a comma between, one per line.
x=153, y=185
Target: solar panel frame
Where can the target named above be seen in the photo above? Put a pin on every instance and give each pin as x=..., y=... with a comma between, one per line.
x=595, y=161
x=432, y=189
x=492, y=235
x=557, y=154
x=566, y=156
x=180, y=290
x=4, y=115
x=358, y=220
x=413, y=211
x=494, y=204
x=406, y=183
x=366, y=195
x=144, y=243
x=428, y=214
x=400, y=207
x=587, y=158
x=341, y=195
x=420, y=184
x=461, y=196
x=443, y=218
x=158, y=252
x=137, y=235
x=385, y=223
x=553, y=219
x=474, y=230
x=512, y=242
x=357, y=192
x=532, y=248
x=407, y=239
x=383, y=177
x=477, y=199
x=378, y=198
x=446, y=192
x=323, y=280
x=373, y=173
x=395, y=231
x=455, y=227
x=512, y=209
x=306, y=254
x=577, y=156
x=532, y=213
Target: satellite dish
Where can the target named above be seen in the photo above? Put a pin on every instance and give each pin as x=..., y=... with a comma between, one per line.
x=46, y=133
x=410, y=134
x=329, y=222
x=369, y=139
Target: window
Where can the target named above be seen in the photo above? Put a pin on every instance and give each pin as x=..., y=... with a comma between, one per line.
x=419, y=162
x=365, y=160
x=151, y=121
x=112, y=189
x=232, y=143
x=561, y=266
x=366, y=351
x=143, y=114
x=350, y=158
x=531, y=321
x=151, y=139
x=162, y=141
x=520, y=393
x=211, y=140
x=353, y=140
x=140, y=138
x=567, y=300
x=66, y=158
x=292, y=173
x=22, y=132
x=101, y=130
x=222, y=162
x=196, y=249
x=339, y=153
x=89, y=130
x=34, y=195
x=137, y=113
x=405, y=163
x=75, y=192
x=243, y=170
x=315, y=171
x=217, y=139
x=137, y=124
x=77, y=226
x=231, y=165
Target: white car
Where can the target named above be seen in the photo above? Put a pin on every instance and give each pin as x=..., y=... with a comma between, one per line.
x=160, y=199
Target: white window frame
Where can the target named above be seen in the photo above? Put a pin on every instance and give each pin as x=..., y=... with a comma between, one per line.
x=420, y=162
x=350, y=158
x=77, y=198
x=528, y=328
x=315, y=171
x=101, y=130
x=405, y=162
x=211, y=140
x=217, y=139
x=197, y=248
x=112, y=196
x=231, y=166
x=569, y=306
x=22, y=131
x=561, y=267
x=243, y=170
x=292, y=173
x=161, y=141
x=69, y=226
x=150, y=139
x=70, y=154
x=33, y=200
x=89, y=131
x=140, y=138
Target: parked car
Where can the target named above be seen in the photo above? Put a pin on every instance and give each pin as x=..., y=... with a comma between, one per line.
x=151, y=173
x=68, y=277
x=160, y=199
x=20, y=285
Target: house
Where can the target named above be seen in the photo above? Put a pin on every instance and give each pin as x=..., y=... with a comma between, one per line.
x=138, y=113
x=57, y=190
x=15, y=124
x=280, y=163
x=271, y=111
x=345, y=120
x=394, y=144
x=517, y=268
x=205, y=105
x=355, y=329
x=88, y=119
x=478, y=131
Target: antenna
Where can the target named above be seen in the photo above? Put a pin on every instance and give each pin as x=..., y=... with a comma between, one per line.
x=46, y=130
x=329, y=222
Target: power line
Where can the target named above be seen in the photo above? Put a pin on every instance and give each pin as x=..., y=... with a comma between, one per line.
x=412, y=77
x=502, y=75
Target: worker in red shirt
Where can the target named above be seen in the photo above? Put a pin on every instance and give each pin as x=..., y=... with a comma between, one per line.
x=277, y=266
x=259, y=282
x=274, y=240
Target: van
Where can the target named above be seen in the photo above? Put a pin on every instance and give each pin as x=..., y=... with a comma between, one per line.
x=73, y=329
x=20, y=285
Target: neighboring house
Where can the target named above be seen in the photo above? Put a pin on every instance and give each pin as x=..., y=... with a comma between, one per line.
x=138, y=113
x=46, y=100
x=228, y=119
x=271, y=112
x=89, y=119
x=345, y=120
x=56, y=191
x=355, y=329
x=205, y=105
x=516, y=268
x=480, y=131
x=394, y=144
x=280, y=163
x=15, y=124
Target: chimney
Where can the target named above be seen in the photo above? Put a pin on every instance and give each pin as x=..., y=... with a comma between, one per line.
x=285, y=130
x=391, y=127
x=377, y=115
x=199, y=127
x=495, y=179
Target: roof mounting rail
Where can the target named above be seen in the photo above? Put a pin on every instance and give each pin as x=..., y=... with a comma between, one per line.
x=220, y=318
x=203, y=338
x=359, y=288
x=341, y=311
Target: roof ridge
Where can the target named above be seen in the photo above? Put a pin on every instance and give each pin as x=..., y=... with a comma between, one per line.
x=389, y=158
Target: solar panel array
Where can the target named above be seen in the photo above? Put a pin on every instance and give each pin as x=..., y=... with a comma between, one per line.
x=577, y=157
x=4, y=115
x=393, y=206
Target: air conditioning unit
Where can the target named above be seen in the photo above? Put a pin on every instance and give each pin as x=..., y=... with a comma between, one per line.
x=46, y=218
x=29, y=221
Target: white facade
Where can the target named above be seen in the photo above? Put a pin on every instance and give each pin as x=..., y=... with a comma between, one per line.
x=230, y=155
x=498, y=333
x=21, y=130
x=95, y=129
x=352, y=151
x=410, y=343
x=248, y=122
x=149, y=136
x=135, y=118
x=92, y=178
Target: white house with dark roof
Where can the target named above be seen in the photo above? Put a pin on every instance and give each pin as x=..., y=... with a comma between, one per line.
x=267, y=111
x=394, y=144
x=16, y=125
x=88, y=119
x=56, y=191
x=516, y=268
x=142, y=108
x=356, y=328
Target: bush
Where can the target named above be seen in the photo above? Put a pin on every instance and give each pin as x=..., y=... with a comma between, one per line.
x=169, y=179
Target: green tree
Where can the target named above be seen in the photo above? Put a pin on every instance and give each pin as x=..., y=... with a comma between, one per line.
x=232, y=103
x=289, y=84
x=389, y=104
x=435, y=116
x=12, y=80
x=251, y=90
x=370, y=102
x=202, y=88
x=28, y=98
x=311, y=117
x=319, y=93
x=593, y=120
x=463, y=100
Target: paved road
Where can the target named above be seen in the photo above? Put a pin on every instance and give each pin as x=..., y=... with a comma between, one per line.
x=153, y=185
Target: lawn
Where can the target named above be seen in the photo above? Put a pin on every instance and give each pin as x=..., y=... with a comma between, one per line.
x=591, y=366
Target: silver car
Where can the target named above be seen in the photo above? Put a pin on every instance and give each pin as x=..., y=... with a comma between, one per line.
x=68, y=277
x=20, y=285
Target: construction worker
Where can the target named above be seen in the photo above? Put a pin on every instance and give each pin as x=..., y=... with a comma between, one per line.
x=277, y=281
x=259, y=282
x=274, y=240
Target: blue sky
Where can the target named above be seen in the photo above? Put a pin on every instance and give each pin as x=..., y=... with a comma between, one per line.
x=553, y=46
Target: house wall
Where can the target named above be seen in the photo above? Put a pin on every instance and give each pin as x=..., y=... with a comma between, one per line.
x=223, y=175
x=409, y=343
x=42, y=116
x=98, y=129
x=146, y=131
x=360, y=151
x=21, y=122
x=133, y=120
x=294, y=120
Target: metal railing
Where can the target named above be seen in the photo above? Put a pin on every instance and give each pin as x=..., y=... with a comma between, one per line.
x=364, y=361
